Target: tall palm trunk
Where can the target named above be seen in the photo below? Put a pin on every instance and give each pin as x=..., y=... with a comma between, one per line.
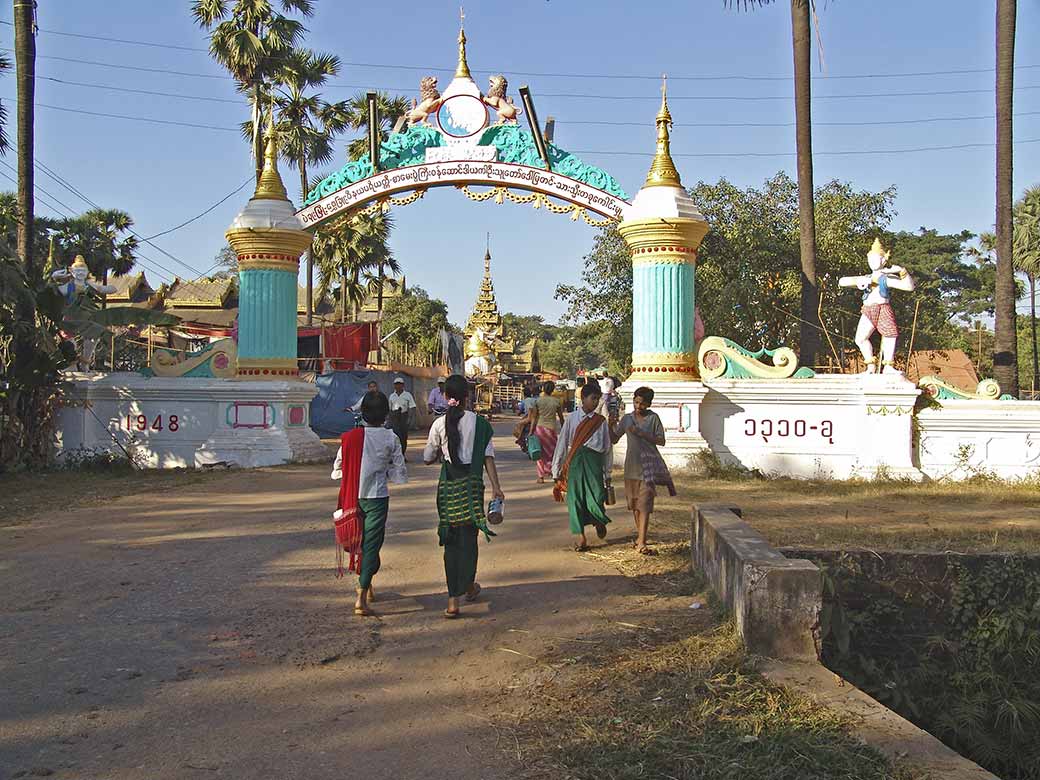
x=25, y=60
x=258, y=147
x=802, y=40
x=302, y=162
x=1005, y=336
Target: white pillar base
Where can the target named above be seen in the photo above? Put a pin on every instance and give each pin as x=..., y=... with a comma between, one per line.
x=188, y=423
x=678, y=405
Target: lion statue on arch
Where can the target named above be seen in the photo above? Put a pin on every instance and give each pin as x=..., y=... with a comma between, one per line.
x=496, y=98
x=429, y=101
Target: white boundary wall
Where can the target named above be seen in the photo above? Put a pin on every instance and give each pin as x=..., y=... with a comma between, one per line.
x=186, y=422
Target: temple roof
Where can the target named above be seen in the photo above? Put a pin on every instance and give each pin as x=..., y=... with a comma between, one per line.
x=200, y=293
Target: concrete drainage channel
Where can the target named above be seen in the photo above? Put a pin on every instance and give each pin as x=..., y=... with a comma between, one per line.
x=776, y=602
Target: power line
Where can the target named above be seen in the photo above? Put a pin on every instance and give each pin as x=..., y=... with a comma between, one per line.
x=654, y=77
x=207, y=211
x=605, y=122
x=585, y=96
x=815, y=153
x=134, y=118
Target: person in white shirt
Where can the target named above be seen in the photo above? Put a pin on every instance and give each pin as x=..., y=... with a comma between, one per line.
x=581, y=466
x=401, y=405
x=381, y=461
x=463, y=441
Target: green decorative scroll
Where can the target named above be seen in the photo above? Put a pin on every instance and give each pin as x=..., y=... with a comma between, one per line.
x=513, y=143
x=722, y=358
x=516, y=145
x=938, y=390
x=399, y=150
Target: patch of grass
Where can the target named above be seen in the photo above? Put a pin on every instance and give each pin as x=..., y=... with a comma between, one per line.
x=684, y=707
x=27, y=495
x=979, y=515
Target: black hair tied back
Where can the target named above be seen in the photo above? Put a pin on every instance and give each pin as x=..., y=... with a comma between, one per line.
x=456, y=389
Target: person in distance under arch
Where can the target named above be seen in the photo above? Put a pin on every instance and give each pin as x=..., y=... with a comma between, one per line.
x=463, y=440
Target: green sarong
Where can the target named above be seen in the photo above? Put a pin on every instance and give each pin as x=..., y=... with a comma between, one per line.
x=586, y=493
x=460, y=509
x=373, y=512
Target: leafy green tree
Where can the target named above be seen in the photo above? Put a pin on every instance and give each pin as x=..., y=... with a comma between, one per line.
x=1027, y=257
x=252, y=40
x=417, y=319
x=604, y=298
x=524, y=327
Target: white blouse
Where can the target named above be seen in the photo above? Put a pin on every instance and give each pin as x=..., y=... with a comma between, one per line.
x=381, y=461
x=438, y=441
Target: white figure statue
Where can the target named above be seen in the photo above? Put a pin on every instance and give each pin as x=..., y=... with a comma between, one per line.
x=74, y=281
x=877, y=310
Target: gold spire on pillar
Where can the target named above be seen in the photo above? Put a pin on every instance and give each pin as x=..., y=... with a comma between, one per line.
x=462, y=69
x=662, y=171
x=270, y=185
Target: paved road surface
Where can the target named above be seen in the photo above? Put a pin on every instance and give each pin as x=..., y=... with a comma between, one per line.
x=203, y=634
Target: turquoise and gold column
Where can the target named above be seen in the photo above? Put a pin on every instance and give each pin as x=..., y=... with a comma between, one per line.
x=268, y=238
x=663, y=230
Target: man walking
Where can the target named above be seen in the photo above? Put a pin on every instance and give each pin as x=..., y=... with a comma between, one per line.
x=401, y=405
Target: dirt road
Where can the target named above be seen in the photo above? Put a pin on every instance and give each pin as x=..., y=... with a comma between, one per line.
x=202, y=633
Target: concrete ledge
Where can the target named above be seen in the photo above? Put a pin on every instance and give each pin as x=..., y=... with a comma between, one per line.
x=775, y=600
x=877, y=725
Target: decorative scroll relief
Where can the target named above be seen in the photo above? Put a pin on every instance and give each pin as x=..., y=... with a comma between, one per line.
x=524, y=177
x=725, y=359
x=937, y=389
x=217, y=359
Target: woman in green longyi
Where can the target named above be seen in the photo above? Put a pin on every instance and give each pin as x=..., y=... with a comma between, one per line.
x=463, y=440
x=582, y=464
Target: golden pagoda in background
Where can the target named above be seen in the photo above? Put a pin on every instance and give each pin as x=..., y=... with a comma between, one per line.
x=489, y=347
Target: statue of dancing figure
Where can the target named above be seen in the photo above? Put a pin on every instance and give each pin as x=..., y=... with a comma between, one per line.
x=877, y=310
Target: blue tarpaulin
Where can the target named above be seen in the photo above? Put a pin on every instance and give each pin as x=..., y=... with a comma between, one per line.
x=338, y=391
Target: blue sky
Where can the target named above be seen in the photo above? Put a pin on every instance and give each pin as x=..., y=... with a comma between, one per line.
x=164, y=175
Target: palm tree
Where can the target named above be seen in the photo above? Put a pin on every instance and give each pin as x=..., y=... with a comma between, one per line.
x=390, y=109
x=1005, y=336
x=350, y=253
x=1026, y=247
x=306, y=123
x=104, y=239
x=252, y=40
x=25, y=57
x=801, y=33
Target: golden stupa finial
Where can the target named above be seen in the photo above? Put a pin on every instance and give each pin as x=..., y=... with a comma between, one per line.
x=662, y=171
x=462, y=69
x=270, y=185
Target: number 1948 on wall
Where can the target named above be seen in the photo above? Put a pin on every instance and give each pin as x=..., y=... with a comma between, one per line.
x=158, y=423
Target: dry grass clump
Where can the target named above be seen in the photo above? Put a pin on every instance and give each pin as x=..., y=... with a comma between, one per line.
x=668, y=692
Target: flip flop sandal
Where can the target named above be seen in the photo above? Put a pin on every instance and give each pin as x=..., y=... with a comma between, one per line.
x=601, y=531
x=646, y=551
x=362, y=612
x=451, y=614
x=581, y=548
x=474, y=592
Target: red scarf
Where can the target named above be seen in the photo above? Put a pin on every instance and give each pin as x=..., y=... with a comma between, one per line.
x=349, y=526
x=585, y=430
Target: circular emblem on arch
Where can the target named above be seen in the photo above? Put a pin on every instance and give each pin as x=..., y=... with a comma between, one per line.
x=462, y=116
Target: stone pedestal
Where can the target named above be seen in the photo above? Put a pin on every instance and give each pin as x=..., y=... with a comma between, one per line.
x=678, y=405
x=186, y=422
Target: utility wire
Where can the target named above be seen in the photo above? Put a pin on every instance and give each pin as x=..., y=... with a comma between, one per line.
x=655, y=77
x=240, y=187
x=576, y=96
x=817, y=153
x=607, y=122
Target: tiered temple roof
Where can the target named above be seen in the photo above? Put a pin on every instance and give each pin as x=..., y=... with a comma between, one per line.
x=485, y=316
